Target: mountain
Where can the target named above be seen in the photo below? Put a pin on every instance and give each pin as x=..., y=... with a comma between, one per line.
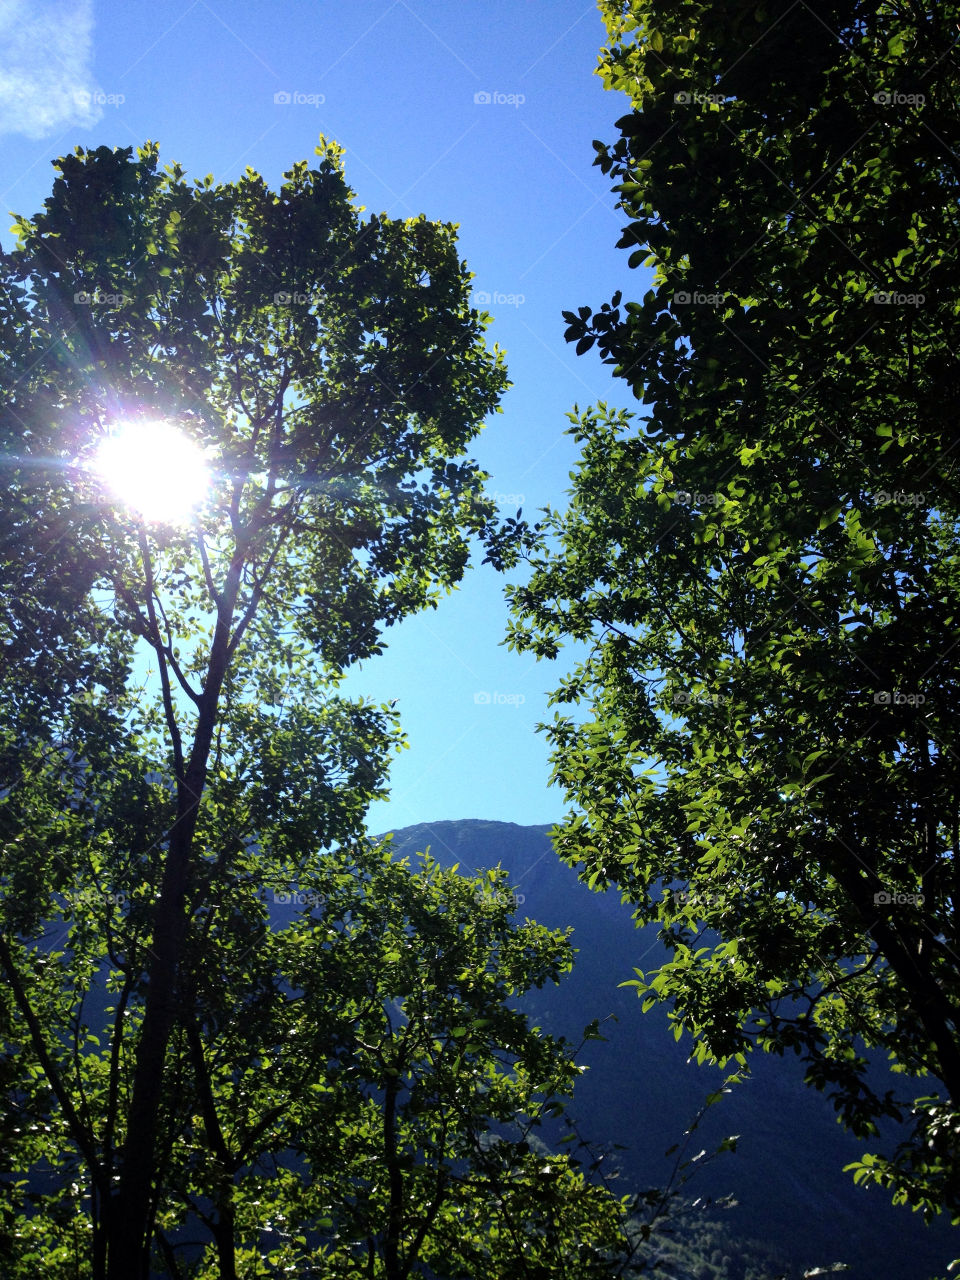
x=641, y=1091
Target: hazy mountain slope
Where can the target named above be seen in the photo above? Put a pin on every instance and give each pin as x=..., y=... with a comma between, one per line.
x=787, y=1174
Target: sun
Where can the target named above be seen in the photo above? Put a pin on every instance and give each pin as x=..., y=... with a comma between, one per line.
x=153, y=468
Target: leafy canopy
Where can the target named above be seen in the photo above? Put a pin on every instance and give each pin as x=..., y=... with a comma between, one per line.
x=765, y=565
x=173, y=745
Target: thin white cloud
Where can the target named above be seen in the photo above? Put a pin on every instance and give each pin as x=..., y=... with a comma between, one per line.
x=46, y=83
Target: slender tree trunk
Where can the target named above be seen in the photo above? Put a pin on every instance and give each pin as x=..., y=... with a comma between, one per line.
x=224, y=1227
x=225, y=1232
x=128, y=1250
x=129, y=1238
x=100, y=1235
x=391, y=1246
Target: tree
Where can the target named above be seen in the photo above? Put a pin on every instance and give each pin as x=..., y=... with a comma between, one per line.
x=765, y=565
x=345, y=1090
x=331, y=367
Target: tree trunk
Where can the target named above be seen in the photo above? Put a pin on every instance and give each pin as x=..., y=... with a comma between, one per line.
x=129, y=1236
x=128, y=1250
x=391, y=1245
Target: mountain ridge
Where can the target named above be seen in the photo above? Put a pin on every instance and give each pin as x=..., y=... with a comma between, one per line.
x=642, y=1090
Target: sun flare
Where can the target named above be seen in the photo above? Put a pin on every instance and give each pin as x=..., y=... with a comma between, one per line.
x=154, y=469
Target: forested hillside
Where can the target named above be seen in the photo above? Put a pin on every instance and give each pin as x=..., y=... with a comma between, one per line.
x=786, y=1174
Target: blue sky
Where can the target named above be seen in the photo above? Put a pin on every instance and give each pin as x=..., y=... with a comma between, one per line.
x=479, y=113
